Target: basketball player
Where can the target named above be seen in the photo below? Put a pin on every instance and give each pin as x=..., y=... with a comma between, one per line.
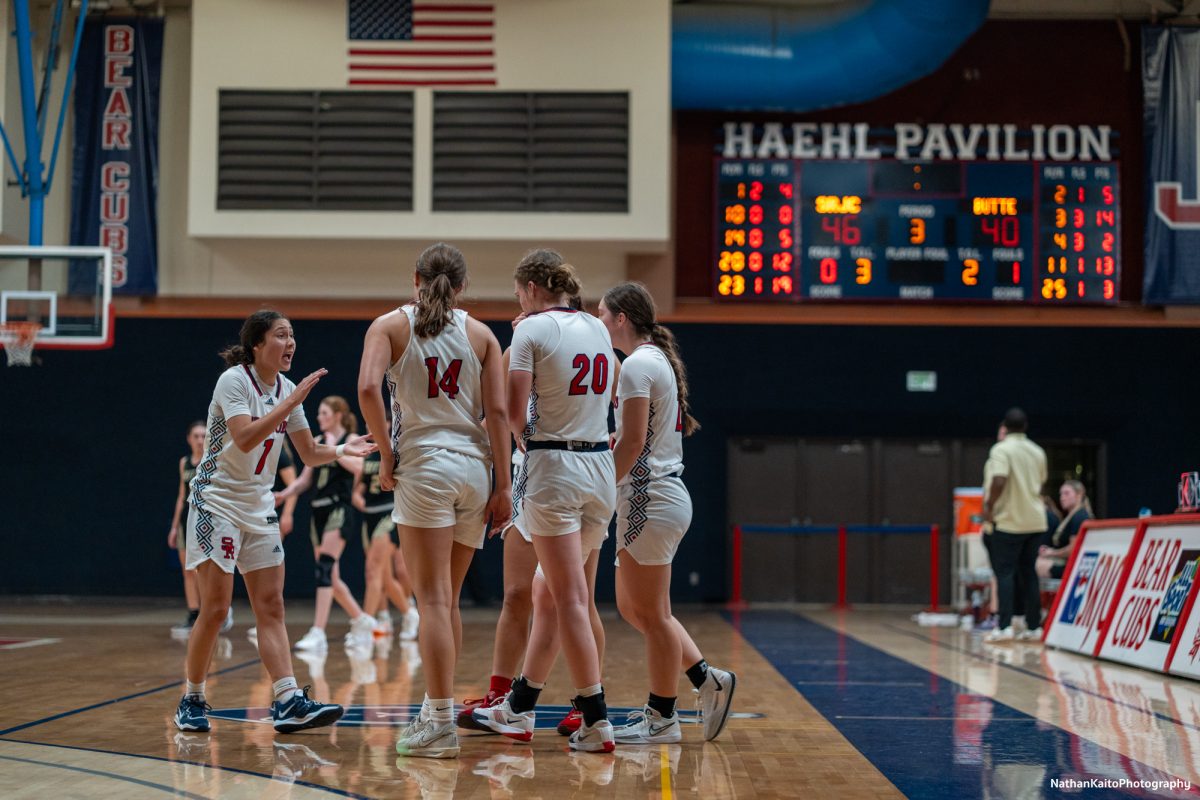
x=187, y=470
x=447, y=384
x=232, y=519
x=512, y=629
x=330, y=503
x=653, y=513
x=561, y=362
x=381, y=544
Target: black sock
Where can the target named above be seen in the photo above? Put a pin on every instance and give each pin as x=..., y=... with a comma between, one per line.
x=697, y=673
x=193, y=615
x=663, y=705
x=523, y=697
x=592, y=708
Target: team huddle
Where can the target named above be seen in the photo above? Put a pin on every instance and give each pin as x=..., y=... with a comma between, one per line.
x=457, y=402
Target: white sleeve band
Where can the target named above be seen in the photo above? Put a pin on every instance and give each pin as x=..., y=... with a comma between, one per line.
x=339, y=451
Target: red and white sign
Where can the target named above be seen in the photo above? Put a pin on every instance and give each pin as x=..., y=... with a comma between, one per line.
x=1079, y=615
x=1154, y=591
x=1185, y=649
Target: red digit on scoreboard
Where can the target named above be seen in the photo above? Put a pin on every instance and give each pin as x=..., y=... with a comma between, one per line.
x=756, y=215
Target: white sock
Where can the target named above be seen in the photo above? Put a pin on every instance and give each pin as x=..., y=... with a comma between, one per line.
x=595, y=688
x=440, y=711
x=195, y=689
x=534, y=684
x=285, y=689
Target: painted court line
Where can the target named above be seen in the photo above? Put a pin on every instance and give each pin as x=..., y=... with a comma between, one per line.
x=272, y=778
x=171, y=790
x=164, y=687
x=1031, y=673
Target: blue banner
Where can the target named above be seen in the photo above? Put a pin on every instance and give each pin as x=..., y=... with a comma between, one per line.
x=114, y=182
x=1171, y=84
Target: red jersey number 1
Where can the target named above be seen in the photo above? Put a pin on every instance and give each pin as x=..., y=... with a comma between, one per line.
x=262, y=462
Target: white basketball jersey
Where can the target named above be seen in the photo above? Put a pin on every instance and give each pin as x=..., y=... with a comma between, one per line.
x=437, y=391
x=647, y=373
x=571, y=357
x=232, y=484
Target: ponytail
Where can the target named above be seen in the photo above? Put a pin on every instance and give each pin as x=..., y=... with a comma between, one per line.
x=435, y=306
x=441, y=272
x=664, y=340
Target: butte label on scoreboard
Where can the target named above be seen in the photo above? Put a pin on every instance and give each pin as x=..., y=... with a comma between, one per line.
x=931, y=230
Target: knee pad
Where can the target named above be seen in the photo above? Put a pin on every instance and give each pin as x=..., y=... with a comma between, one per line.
x=324, y=571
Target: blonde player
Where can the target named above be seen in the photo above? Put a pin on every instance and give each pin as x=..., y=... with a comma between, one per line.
x=381, y=544
x=330, y=503
x=232, y=519
x=447, y=384
x=561, y=365
x=653, y=513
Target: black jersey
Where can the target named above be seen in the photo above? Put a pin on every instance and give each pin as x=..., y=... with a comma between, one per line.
x=333, y=483
x=188, y=472
x=376, y=499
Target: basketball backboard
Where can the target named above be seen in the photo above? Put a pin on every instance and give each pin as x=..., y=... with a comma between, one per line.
x=68, y=290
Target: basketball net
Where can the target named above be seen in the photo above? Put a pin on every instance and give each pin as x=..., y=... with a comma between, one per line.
x=17, y=339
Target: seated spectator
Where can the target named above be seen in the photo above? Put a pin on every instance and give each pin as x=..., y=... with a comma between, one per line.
x=1052, y=558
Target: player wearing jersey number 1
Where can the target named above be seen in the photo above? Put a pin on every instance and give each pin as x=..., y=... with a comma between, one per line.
x=232, y=521
x=443, y=370
x=653, y=513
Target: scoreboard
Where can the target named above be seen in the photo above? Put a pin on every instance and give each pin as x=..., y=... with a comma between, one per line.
x=885, y=229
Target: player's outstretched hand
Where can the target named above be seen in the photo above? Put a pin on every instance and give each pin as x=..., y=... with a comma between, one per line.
x=518, y=319
x=305, y=386
x=360, y=445
x=387, y=470
x=499, y=510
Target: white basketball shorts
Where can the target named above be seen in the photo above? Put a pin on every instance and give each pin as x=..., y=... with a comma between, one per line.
x=567, y=492
x=437, y=488
x=652, y=518
x=210, y=537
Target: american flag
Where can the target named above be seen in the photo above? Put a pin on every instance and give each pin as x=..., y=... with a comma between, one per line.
x=402, y=43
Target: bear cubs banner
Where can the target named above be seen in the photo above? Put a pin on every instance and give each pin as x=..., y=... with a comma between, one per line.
x=114, y=185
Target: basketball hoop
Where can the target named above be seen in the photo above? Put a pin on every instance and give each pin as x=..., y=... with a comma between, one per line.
x=17, y=339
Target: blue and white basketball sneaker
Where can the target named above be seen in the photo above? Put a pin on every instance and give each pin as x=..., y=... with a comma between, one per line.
x=192, y=714
x=299, y=713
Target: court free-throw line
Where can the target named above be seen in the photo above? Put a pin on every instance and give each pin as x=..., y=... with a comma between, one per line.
x=165, y=686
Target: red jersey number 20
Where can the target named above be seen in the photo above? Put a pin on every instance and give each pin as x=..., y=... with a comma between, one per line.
x=597, y=366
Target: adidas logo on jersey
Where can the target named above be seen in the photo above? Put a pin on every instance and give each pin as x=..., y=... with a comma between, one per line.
x=273, y=519
x=270, y=401
x=276, y=550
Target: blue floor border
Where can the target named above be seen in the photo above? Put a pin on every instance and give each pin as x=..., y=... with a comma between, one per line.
x=931, y=737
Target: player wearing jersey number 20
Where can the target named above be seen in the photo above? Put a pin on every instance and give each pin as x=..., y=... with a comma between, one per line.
x=232, y=518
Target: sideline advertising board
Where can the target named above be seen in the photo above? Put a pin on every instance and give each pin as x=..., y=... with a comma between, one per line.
x=1080, y=613
x=1154, y=590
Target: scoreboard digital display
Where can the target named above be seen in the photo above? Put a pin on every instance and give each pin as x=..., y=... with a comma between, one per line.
x=884, y=229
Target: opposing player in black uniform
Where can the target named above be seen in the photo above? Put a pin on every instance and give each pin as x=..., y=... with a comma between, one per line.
x=330, y=504
x=381, y=543
x=176, y=537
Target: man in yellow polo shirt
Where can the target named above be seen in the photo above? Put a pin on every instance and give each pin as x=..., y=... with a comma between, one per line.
x=1012, y=504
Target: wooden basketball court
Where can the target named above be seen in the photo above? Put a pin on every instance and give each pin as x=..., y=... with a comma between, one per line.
x=858, y=704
